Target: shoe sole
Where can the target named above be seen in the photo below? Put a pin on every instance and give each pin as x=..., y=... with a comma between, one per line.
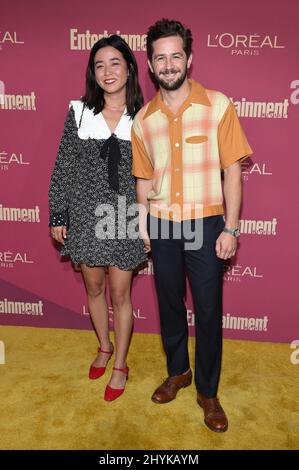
x=171, y=399
x=211, y=427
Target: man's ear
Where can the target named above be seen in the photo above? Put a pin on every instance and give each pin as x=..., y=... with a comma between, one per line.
x=150, y=66
x=189, y=61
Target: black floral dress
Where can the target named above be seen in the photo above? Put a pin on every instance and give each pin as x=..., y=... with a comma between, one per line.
x=92, y=192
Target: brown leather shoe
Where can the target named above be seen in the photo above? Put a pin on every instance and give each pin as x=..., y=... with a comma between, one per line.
x=215, y=417
x=170, y=387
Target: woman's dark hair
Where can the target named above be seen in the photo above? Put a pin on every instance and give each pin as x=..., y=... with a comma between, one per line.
x=94, y=95
x=165, y=28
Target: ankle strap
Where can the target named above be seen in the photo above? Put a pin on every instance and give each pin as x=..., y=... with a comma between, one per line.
x=106, y=352
x=124, y=369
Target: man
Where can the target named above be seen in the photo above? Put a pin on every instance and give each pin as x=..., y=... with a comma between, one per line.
x=181, y=140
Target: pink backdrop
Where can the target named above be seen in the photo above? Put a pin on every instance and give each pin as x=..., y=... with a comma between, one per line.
x=249, y=51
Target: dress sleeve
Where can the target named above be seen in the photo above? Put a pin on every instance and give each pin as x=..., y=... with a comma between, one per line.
x=63, y=172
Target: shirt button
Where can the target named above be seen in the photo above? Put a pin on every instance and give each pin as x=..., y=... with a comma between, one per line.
x=177, y=170
x=175, y=119
x=177, y=144
x=177, y=194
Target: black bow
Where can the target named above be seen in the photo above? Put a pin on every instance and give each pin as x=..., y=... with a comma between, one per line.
x=112, y=150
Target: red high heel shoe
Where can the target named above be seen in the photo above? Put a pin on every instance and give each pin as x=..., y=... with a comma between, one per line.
x=113, y=393
x=96, y=372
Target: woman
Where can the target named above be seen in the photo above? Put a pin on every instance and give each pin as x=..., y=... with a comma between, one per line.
x=91, y=191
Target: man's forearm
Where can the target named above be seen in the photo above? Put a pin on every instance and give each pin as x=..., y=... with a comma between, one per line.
x=232, y=194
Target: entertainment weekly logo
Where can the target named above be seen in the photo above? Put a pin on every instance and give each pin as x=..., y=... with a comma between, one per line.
x=9, y=160
x=237, y=273
x=137, y=314
x=17, y=102
x=9, y=38
x=237, y=322
x=244, y=44
x=259, y=227
x=20, y=214
x=262, y=109
x=19, y=307
x=84, y=40
x=12, y=259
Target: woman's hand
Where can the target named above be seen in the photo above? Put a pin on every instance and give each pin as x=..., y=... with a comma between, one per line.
x=147, y=244
x=146, y=240
x=59, y=233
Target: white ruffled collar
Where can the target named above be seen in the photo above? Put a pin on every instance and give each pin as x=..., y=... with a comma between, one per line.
x=95, y=127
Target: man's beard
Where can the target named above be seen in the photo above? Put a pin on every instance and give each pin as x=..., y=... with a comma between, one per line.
x=172, y=85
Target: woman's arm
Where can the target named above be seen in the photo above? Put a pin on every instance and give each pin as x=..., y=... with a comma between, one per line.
x=62, y=175
x=143, y=187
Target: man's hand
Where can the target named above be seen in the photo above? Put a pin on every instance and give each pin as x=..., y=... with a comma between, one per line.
x=59, y=233
x=226, y=245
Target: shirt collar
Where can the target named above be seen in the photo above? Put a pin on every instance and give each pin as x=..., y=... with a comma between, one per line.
x=197, y=95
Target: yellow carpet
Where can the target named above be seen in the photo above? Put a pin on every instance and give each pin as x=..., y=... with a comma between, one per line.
x=48, y=402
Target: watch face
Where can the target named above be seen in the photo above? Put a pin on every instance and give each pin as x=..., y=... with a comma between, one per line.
x=235, y=233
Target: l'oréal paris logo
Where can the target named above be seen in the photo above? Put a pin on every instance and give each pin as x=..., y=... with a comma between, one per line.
x=8, y=259
x=9, y=160
x=137, y=314
x=9, y=37
x=259, y=169
x=235, y=273
x=244, y=44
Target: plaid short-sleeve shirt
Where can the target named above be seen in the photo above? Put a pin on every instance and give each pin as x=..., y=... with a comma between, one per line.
x=184, y=153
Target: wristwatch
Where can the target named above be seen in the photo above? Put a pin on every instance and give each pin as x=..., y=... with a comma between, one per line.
x=235, y=232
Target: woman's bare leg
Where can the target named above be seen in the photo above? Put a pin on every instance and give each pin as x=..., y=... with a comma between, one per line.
x=94, y=279
x=120, y=292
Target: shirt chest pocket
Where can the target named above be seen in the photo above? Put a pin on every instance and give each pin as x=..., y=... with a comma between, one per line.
x=196, y=139
x=196, y=147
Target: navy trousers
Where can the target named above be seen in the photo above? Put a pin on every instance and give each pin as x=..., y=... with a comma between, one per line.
x=172, y=261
